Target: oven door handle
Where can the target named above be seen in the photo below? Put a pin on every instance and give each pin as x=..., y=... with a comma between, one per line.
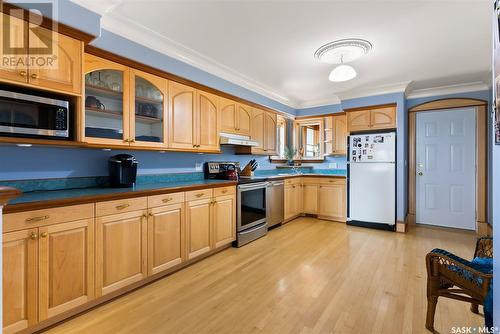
x=253, y=186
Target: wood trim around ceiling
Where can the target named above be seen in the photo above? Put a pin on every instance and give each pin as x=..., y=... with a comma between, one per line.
x=340, y=113
x=387, y=105
x=169, y=76
x=46, y=22
x=448, y=104
x=481, y=154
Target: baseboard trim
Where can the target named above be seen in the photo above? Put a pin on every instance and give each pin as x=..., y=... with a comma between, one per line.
x=400, y=227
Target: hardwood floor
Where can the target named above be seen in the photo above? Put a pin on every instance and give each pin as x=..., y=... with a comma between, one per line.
x=309, y=276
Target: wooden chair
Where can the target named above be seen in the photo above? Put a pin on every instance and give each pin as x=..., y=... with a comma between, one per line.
x=453, y=277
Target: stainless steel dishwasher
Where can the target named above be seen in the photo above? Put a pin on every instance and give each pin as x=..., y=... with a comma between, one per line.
x=275, y=194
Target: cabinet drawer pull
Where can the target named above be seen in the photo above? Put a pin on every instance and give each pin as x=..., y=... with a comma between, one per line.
x=33, y=236
x=23, y=73
x=199, y=195
x=224, y=191
x=166, y=200
x=44, y=234
x=122, y=206
x=34, y=76
x=37, y=219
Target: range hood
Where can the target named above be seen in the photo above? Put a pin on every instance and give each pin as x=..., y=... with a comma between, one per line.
x=237, y=140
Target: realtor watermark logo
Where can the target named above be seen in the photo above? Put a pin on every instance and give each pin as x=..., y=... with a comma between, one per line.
x=474, y=330
x=29, y=36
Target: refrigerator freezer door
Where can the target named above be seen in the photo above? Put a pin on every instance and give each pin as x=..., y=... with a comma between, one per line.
x=372, y=192
x=372, y=147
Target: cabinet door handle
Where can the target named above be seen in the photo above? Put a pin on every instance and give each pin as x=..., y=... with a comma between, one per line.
x=34, y=76
x=126, y=140
x=33, y=236
x=150, y=214
x=131, y=140
x=37, y=219
x=122, y=206
x=44, y=234
x=23, y=73
x=199, y=195
x=166, y=200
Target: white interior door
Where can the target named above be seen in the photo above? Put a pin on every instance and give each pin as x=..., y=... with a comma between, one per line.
x=446, y=160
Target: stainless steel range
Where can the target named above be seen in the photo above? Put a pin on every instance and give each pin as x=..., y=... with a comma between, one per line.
x=251, y=201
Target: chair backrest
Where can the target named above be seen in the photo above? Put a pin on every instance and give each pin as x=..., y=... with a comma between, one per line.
x=484, y=247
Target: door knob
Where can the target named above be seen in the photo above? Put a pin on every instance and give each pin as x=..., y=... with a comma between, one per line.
x=420, y=173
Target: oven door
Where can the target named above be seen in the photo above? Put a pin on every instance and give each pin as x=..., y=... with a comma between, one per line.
x=251, y=205
x=25, y=115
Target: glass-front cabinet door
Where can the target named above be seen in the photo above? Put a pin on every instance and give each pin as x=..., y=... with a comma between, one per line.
x=106, y=102
x=147, y=119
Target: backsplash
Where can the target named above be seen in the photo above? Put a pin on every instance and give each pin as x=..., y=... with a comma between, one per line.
x=27, y=163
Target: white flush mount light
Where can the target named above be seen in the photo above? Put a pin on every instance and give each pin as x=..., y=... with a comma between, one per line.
x=342, y=73
x=340, y=52
x=343, y=51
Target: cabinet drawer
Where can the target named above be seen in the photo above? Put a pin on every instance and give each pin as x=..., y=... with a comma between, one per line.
x=224, y=191
x=332, y=180
x=198, y=194
x=311, y=180
x=44, y=217
x=293, y=180
x=165, y=199
x=120, y=206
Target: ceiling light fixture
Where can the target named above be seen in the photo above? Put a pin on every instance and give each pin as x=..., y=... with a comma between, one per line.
x=341, y=52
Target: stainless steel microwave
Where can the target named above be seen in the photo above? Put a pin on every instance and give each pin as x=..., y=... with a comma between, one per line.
x=25, y=115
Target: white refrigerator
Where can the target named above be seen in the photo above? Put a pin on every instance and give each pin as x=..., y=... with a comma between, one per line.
x=371, y=177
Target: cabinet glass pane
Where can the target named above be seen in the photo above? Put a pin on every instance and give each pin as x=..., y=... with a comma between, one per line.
x=148, y=112
x=104, y=104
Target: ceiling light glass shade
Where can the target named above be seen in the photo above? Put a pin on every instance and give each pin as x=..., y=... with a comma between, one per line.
x=342, y=73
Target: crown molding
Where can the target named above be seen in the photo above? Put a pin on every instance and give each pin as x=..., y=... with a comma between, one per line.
x=140, y=34
x=318, y=103
x=447, y=90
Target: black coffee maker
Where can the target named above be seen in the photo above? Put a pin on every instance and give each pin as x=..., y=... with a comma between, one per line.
x=122, y=170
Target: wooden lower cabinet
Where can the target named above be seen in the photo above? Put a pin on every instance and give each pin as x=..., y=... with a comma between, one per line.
x=310, y=196
x=166, y=237
x=66, y=266
x=198, y=218
x=19, y=280
x=332, y=201
x=224, y=220
x=121, y=253
x=293, y=200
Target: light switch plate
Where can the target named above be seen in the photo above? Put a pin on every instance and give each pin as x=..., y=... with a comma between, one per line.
x=332, y=165
x=198, y=167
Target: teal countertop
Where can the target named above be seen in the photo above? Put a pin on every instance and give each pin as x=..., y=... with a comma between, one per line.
x=87, y=195
x=56, y=192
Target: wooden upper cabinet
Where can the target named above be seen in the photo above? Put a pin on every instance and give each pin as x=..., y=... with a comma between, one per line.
x=106, y=119
x=371, y=119
x=208, y=121
x=166, y=230
x=19, y=280
x=66, y=74
x=148, y=109
x=224, y=220
x=270, y=133
x=66, y=278
x=228, y=110
x=258, y=130
x=244, y=116
x=61, y=70
x=339, y=135
x=15, y=29
x=383, y=118
x=182, y=116
x=121, y=252
x=358, y=120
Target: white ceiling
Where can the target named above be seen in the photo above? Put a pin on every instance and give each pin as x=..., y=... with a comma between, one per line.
x=268, y=46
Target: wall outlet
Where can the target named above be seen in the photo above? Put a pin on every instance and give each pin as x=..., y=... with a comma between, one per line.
x=332, y=165
x=198, y=167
